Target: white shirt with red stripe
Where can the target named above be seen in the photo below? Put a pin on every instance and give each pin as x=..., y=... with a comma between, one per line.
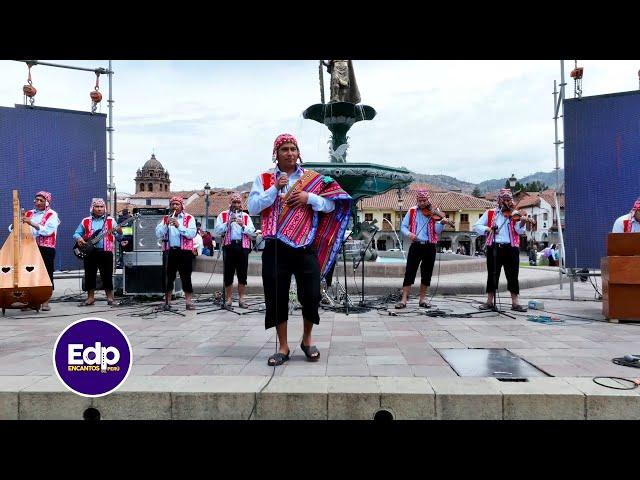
x=90, y=224
x=238, y=232
x=48, y=221
x=625, y=225
x=181, y=236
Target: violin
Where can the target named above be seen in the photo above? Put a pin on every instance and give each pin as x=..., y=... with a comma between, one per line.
x=517, y=216
x=437, y=216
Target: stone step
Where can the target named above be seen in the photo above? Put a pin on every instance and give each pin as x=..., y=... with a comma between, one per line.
x=321, y=398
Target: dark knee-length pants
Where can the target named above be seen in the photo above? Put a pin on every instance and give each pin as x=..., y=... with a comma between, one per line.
x=279, y=262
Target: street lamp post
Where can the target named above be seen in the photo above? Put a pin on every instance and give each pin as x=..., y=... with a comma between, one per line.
x=400, y=202
x=207, y=191
x=512, y=180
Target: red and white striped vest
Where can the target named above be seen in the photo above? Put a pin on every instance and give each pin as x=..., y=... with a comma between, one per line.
x=431, y=228
x=185, y=243
x=628, y=225
x=513, y=235
x=109, y=240
x=50, y=240
x=246, y=241
x=268, y=223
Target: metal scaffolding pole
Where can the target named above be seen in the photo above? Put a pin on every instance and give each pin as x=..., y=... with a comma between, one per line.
x=557, y=105
x=112, y=186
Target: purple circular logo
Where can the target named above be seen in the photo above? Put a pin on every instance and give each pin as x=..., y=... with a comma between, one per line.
x=92, y=357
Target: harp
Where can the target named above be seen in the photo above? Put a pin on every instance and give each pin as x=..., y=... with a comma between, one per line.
x=24, y=281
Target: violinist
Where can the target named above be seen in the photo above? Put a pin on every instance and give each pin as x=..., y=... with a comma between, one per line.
x=101, y=258
x=421, y=225
x=177, y=232
x=629, y=222
x=502, y=227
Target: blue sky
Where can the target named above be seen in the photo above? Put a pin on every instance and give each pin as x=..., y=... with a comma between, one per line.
x=215, y=121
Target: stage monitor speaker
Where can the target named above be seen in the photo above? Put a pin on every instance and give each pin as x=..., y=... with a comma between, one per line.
x=144, y=233
x=151, y=210
x=146, y=280
x=142, y=258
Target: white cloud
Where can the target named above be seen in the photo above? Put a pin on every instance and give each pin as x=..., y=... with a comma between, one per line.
x=216, y=120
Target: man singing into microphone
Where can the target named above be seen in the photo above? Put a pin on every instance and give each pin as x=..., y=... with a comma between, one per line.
x=177, y=231
x=629, y=222
x=235, y=228
x=304, y=216
x=503, y=242
x=422, y=231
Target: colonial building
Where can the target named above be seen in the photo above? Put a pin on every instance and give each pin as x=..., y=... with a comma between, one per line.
x=541, y=206
x=388, y=210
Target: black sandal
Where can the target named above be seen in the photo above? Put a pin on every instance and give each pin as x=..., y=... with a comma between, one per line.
x=277, y=359
x=424, y=305
x=309, y=351
x=486, y=306
x=519, y=308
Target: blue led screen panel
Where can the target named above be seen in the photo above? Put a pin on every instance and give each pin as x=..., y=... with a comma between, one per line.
x=59, y=151
x=602, y=171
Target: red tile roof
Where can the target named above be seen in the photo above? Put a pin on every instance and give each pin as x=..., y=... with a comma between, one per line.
x=218, y=201
x=532, y=199
x=182, y=193
x=153, y=195
x=446, y=201
x=450, y=201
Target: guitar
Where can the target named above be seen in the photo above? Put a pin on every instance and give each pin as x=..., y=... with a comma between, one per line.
x=83, y=251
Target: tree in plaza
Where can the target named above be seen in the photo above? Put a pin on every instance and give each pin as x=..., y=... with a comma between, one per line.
x=536, y=186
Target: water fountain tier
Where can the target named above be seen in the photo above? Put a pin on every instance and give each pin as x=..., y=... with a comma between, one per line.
x=358, y=179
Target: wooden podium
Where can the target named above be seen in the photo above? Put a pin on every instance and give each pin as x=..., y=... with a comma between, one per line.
x=621, y=277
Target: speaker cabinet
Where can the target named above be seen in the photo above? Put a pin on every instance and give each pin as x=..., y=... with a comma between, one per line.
x=144, y=233
x=146, y=280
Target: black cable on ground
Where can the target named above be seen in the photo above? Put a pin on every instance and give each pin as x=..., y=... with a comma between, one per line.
x=632, y=384
x=627, y=361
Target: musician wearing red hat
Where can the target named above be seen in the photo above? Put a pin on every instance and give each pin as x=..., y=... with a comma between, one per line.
x=421, y=225
x=101, y=256
x=44, y=222
x=629, y=222
x=502, y=230
x=235, y=228
x=304, y=216
x=177, y=232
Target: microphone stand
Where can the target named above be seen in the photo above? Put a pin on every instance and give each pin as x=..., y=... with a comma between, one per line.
x=362, y=254
x=346, y=296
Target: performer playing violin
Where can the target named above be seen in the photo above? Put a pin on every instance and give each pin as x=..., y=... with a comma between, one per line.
x=503, y=247
x=421, y=225
x=629, y=222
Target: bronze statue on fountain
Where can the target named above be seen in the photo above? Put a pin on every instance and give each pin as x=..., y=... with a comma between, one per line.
x=362, y=179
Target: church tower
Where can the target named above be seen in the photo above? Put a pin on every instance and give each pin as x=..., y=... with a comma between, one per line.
x=152, y=177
